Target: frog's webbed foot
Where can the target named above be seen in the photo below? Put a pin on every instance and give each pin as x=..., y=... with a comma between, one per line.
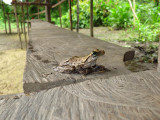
x=99, y=69
x=84, y=71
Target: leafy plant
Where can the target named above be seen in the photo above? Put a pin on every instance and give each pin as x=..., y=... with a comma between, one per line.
x=120, y=16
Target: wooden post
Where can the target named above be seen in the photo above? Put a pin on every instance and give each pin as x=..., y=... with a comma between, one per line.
x=70, y=13
x=21, y=26
x=17, y=22
x=38, y=14
x=91, y=18
x=9, y=24
x=134, y=4
x=77, y=15
x=27, y=19
x=60, y=14
x=158, y=68
x=48, y=12
x=24, y=28
x=4, y=16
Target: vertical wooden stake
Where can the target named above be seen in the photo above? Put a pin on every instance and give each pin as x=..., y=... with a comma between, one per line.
x=70, y=14
x=134, y=4
x=24, y=26
x=27, y=19
x=4, y=16
x=91, y=18
x=38, y=14
x=21, y=26
x=17, y=22
x=77, y=15
x=48, y=12
x=9, y=24
x=159, y=55
x=60, y=14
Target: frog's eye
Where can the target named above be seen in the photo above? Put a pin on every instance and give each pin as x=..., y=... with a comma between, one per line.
x=94, y=53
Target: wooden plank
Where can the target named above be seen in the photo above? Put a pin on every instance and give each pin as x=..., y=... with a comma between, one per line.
x=70, y=14
x=17, y=22
x=91, y=18
x=24, y=28
x=48, y=12
x=77, y=15
x=9, y=24
x=127, y=97
x=3, y=7
x=49, y=45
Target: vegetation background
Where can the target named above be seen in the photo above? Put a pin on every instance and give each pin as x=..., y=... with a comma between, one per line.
x=116, y=14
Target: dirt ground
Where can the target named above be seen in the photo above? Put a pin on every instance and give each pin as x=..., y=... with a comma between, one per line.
x=12, y=63
x=122, y=38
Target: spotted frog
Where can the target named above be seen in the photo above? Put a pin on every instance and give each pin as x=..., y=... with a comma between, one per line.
x=78, y=64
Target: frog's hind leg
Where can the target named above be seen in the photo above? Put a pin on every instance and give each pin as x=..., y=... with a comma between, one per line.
x=65, y=69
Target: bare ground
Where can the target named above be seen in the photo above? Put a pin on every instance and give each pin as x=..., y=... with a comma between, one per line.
x=12, y=63
x=123, y=38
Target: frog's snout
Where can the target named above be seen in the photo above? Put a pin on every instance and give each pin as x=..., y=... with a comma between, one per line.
x=100, y=53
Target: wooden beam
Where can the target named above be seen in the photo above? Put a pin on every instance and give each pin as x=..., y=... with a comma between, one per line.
x=30, y=3
x=48, y=12
x=9, y=24
x=24, y=28
x=60, y=14
x=77, y=15
x=4, y=16
x=39, y=13
x=17, y=22
x=159, y=55
x=55, y=5
x=91, y=18
x=59, y=3
x=70, y=14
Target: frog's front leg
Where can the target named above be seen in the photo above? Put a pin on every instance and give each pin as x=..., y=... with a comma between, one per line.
x=65, y=69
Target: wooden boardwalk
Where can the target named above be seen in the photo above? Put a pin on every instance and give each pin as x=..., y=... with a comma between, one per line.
x=115, y=95
x=50, y=45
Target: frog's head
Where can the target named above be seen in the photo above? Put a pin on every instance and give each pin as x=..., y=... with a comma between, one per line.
x=92, y=57
x=97, y=52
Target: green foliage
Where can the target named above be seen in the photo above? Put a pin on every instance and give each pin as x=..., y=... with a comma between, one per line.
x=84, y=16
x=120, y=16
x=148, y=32
x=115, y=13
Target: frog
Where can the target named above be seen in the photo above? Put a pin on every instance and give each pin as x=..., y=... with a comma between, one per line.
x=80, y=64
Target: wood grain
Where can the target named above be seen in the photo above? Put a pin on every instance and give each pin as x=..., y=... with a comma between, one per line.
x=49, y=45
x=125, y=97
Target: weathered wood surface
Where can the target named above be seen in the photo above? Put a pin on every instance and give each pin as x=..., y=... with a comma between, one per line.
x=49, y=45
x=127, y=97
